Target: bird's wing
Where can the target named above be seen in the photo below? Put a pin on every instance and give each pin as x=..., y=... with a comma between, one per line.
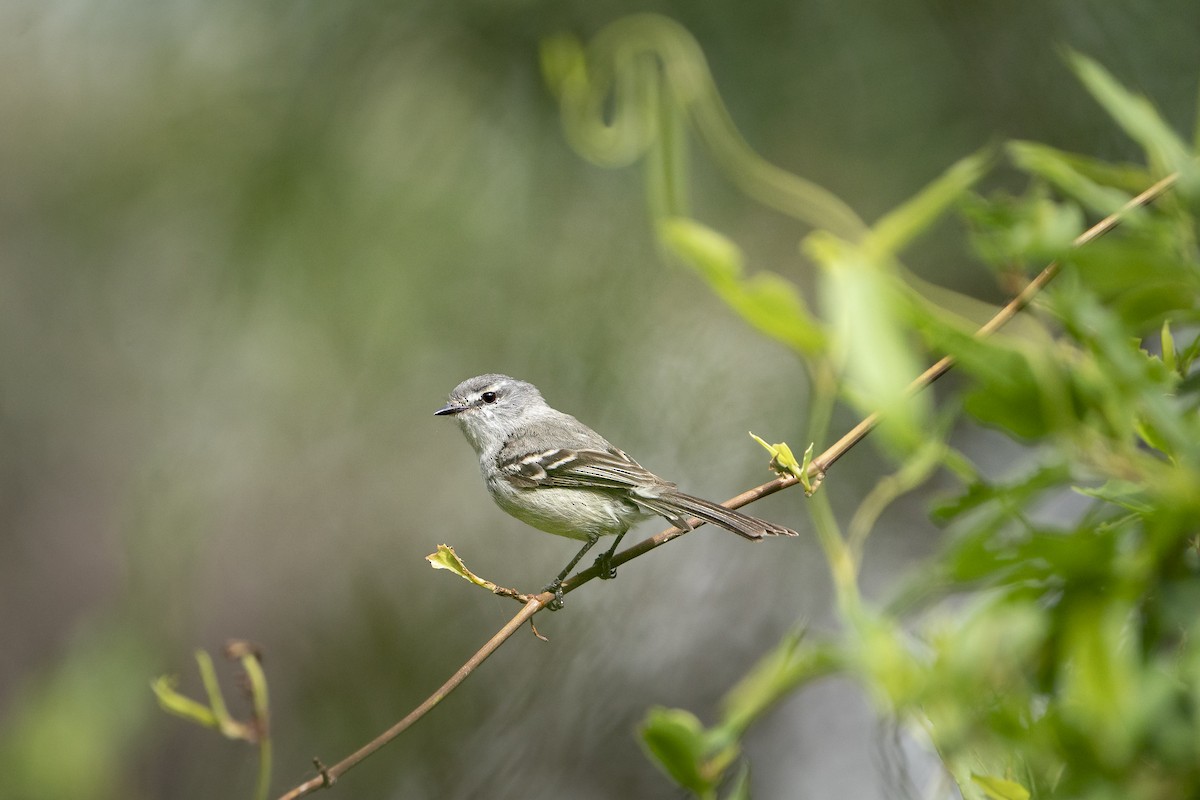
x=581, y=469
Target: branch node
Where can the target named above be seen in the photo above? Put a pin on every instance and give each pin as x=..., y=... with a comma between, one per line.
x=815, y=479
x=327, y=779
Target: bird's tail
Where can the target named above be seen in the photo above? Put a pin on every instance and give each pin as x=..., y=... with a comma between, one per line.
x=678, y=509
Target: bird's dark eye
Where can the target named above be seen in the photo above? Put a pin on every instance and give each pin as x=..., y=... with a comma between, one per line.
x=488, y=397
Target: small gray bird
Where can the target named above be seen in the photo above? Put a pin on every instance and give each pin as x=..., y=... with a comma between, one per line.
x=551, y=471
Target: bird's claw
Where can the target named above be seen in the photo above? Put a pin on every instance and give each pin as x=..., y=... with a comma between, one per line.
x=558, y=602
x=605, y=565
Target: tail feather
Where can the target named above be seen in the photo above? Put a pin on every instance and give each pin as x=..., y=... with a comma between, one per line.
x=670, y=505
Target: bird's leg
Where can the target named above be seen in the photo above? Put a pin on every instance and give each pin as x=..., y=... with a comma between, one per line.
x=556, y=584
x=604, y=560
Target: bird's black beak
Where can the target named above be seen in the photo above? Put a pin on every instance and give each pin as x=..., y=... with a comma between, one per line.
x=449, y=408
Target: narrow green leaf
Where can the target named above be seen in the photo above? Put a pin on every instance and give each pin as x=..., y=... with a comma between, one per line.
x=1168, y=348
x=675, y=739
x=767, y=301
x=1127, y=495
x=1021, y=385
x=216, y=700
x=1023, y=230
x=1054, y=166
x=1134, y=114
x=1000, y=788
x=995, y=504
x=869, y=309
x=1152, y=436
x=715, y=256
x=258, y=729
x=899, y=227
x=775, y=306
x=1189, y=355
x=810, y=484
x=789, y=665
x=1128, y=178
x=180, y=705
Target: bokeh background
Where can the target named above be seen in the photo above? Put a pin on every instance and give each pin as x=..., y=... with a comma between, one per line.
x=246, y=248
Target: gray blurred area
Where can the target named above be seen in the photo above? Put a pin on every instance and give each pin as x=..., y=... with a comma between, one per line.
x=247, y=247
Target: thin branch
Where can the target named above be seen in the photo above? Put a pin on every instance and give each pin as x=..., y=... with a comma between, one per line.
x=817, y=469
x=330, y=775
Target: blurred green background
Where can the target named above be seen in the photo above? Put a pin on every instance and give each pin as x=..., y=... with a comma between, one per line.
x=247, y=248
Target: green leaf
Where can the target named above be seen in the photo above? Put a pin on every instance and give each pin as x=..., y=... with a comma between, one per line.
x=868, y=307
x=810, y=484
x=1125, y=391
x=1128, y=178
x=1015, y=386
x=1127, y=495
x=767, y=301
x=216, y=700
x=789, y=665
x=1100, y=690
x=446, y=558
x=1151, y=435
x=180, y=705
x=1168, y=348
x=1135, y=115
x=889, y=661
x=1042, y=559
x=782, y=459
x=775, y=306
x=1025, y=230
x=72, y=727
x=900, y=226
x=216, y=715
x=714, y=255
x=1189, y=355
x=676, y=740
x=1000, y=788
x=1011, y=495
x=1035, y=386
x=1059, y=169
x=1166, y=283
x=993, y=641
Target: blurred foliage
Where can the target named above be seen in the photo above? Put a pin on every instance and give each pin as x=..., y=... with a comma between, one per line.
x=74, y=729
x=1044, y=659
x=245, y=247
x=216, y=714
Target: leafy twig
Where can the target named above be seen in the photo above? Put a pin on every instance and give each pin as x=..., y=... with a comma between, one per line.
x=216, y=714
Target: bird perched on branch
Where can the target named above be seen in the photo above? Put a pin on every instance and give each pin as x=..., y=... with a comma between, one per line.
x=551, y=471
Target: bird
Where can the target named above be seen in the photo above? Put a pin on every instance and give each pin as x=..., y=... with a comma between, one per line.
x=549, y=470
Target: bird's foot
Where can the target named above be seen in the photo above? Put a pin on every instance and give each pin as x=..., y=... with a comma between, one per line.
x=556, y=587
x=604, y=564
